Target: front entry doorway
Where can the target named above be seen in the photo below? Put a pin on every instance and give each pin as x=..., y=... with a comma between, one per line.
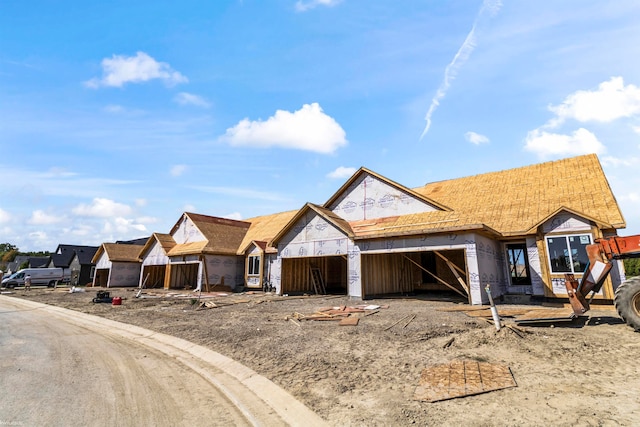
x=519, y=272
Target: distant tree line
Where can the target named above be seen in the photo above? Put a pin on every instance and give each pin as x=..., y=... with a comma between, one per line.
x=9, y=252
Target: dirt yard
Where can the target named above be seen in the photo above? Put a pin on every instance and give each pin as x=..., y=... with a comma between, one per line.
x=579, y=373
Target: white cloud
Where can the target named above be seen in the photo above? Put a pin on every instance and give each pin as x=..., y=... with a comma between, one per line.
x=631, y=197
x=611, y=101
x=490, y=7
x=240, y=192
x=547, y=144
x=4, y=216
x=39, y=217
x=146, y=220
x=102, y=208
x=234, y=215
x=188, y=208
x=120, y=226
x=306, y=129
x=38, y=235
x=59, y=172
x=303, y=6
x=476, y=138
x=114, y=109
x=82, y=230
x=342, y=172
x=120, y=69
x=141, y=202
x=184, y=98
x=617, y=162
x=177, y=170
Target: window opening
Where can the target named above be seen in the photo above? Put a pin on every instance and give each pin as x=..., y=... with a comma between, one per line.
x=253, y=268
x=568, y=254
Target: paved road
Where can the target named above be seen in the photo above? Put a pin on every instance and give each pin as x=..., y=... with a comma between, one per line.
x=59, y=367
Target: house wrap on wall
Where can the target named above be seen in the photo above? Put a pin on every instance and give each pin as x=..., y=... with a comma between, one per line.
x=258, y=255
x=155, y=260
x=518, y=230
x=202, y=251
x=205, y=252
x=117, y=265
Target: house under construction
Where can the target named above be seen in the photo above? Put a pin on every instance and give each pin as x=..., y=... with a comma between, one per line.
x=517, y=231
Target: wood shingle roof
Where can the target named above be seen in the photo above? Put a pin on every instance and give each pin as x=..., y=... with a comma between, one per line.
x=265, y=228
x=516, y=201
x=223, y=236
x=118, y=252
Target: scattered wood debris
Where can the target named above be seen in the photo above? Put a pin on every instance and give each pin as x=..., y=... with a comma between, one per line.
x=408, y=318
x=463, y=307
x=346, y=315
x=349, y=321
x=521, y=315
x=295, y=322
x=448, y=343
x=547, y=315
x=462, y=378
x=413, y=316
x=504, y=312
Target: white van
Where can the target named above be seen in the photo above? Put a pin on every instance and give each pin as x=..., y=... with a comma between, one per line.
x=39, y=276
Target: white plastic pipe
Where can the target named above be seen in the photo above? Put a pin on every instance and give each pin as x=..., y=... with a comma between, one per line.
x=494, y=310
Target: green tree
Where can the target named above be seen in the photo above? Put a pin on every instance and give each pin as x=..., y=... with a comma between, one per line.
x=632, y=267
x=8, y=253
x=6, y=247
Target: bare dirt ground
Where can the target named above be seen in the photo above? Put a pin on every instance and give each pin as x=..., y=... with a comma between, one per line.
x=578, y=373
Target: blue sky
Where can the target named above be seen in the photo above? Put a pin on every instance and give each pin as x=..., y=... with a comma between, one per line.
x=115, y=117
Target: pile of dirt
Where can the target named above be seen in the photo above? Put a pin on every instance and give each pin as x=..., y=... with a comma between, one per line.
x=567, y=373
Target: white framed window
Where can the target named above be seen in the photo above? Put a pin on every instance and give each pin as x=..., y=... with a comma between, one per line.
x=253, y=267
x=568, y=253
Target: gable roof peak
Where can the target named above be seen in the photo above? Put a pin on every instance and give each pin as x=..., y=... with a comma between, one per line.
x=364, y=171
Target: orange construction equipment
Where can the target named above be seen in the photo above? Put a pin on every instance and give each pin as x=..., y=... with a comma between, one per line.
x=601, y=256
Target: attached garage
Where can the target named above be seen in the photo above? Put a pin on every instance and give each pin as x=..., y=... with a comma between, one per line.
x=153, y=276
x=324, y=275
x=117, y=265
x=155, y=260
x=101, y=277
x=183, y=276
x=410, y=272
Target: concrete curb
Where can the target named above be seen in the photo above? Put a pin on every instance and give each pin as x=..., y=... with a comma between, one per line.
x=288, y=408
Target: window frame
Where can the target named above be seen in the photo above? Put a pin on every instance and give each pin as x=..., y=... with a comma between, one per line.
x=253, y=270
x=568, y=246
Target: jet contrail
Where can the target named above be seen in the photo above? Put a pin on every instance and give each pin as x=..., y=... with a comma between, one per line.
x=490, y=6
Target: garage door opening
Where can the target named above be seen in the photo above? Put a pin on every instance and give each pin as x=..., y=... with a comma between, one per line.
x=184, y=276
x=102, y=277
x=153, y=276
x=425, y=272
x=321, y=275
